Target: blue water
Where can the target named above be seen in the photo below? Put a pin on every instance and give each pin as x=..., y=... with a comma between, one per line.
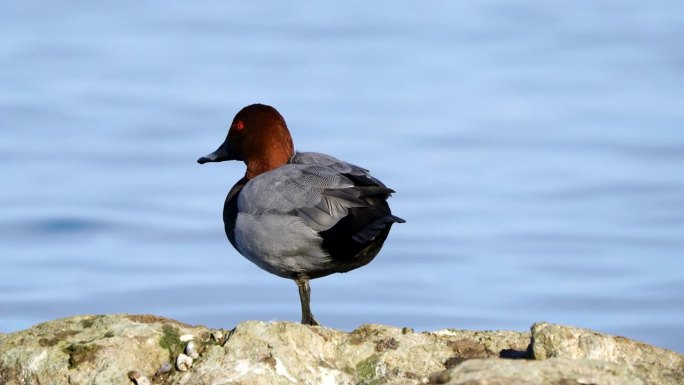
x=537, y=151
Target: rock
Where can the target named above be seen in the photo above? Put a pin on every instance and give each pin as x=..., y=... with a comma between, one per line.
x=106, y=349
x=576, y=343
x=139, y=378
x=549, y=341
x=90, y=349
x=555, y=371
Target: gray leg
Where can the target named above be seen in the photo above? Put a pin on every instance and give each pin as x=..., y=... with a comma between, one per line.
x=305, y=297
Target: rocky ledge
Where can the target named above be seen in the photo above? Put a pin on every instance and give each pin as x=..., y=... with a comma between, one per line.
x=143, y=350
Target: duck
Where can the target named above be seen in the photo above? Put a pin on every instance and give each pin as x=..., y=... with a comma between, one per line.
x=299, y=215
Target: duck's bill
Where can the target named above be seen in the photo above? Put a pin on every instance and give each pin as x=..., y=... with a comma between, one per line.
x=219, y=155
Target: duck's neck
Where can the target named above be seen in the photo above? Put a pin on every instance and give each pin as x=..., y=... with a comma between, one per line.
x=266, y=162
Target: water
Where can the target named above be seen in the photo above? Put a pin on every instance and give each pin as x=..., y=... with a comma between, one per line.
x=536, y=149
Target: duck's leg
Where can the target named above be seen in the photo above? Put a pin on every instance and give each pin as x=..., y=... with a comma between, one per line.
x=305, y=298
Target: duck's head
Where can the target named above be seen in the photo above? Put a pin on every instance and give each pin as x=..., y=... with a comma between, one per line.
x=259, y=137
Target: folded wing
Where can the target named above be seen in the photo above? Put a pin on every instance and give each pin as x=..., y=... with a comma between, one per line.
x=341, y=202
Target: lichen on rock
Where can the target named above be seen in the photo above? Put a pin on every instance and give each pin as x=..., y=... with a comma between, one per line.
x=79, y=353
x=170, y=341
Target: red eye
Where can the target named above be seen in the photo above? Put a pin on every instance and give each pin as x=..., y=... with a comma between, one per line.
x=239, y=125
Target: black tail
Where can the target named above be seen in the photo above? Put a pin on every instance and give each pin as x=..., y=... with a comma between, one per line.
x=368, y=233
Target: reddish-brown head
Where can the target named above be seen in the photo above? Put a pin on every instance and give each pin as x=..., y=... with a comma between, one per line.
x=259, y=137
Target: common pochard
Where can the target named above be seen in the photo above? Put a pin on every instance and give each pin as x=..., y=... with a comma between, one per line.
x=299, y=215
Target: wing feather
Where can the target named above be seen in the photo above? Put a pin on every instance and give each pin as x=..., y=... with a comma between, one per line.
x=317, y=188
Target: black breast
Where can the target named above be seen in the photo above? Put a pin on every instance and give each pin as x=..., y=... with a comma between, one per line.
x=230, y=210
